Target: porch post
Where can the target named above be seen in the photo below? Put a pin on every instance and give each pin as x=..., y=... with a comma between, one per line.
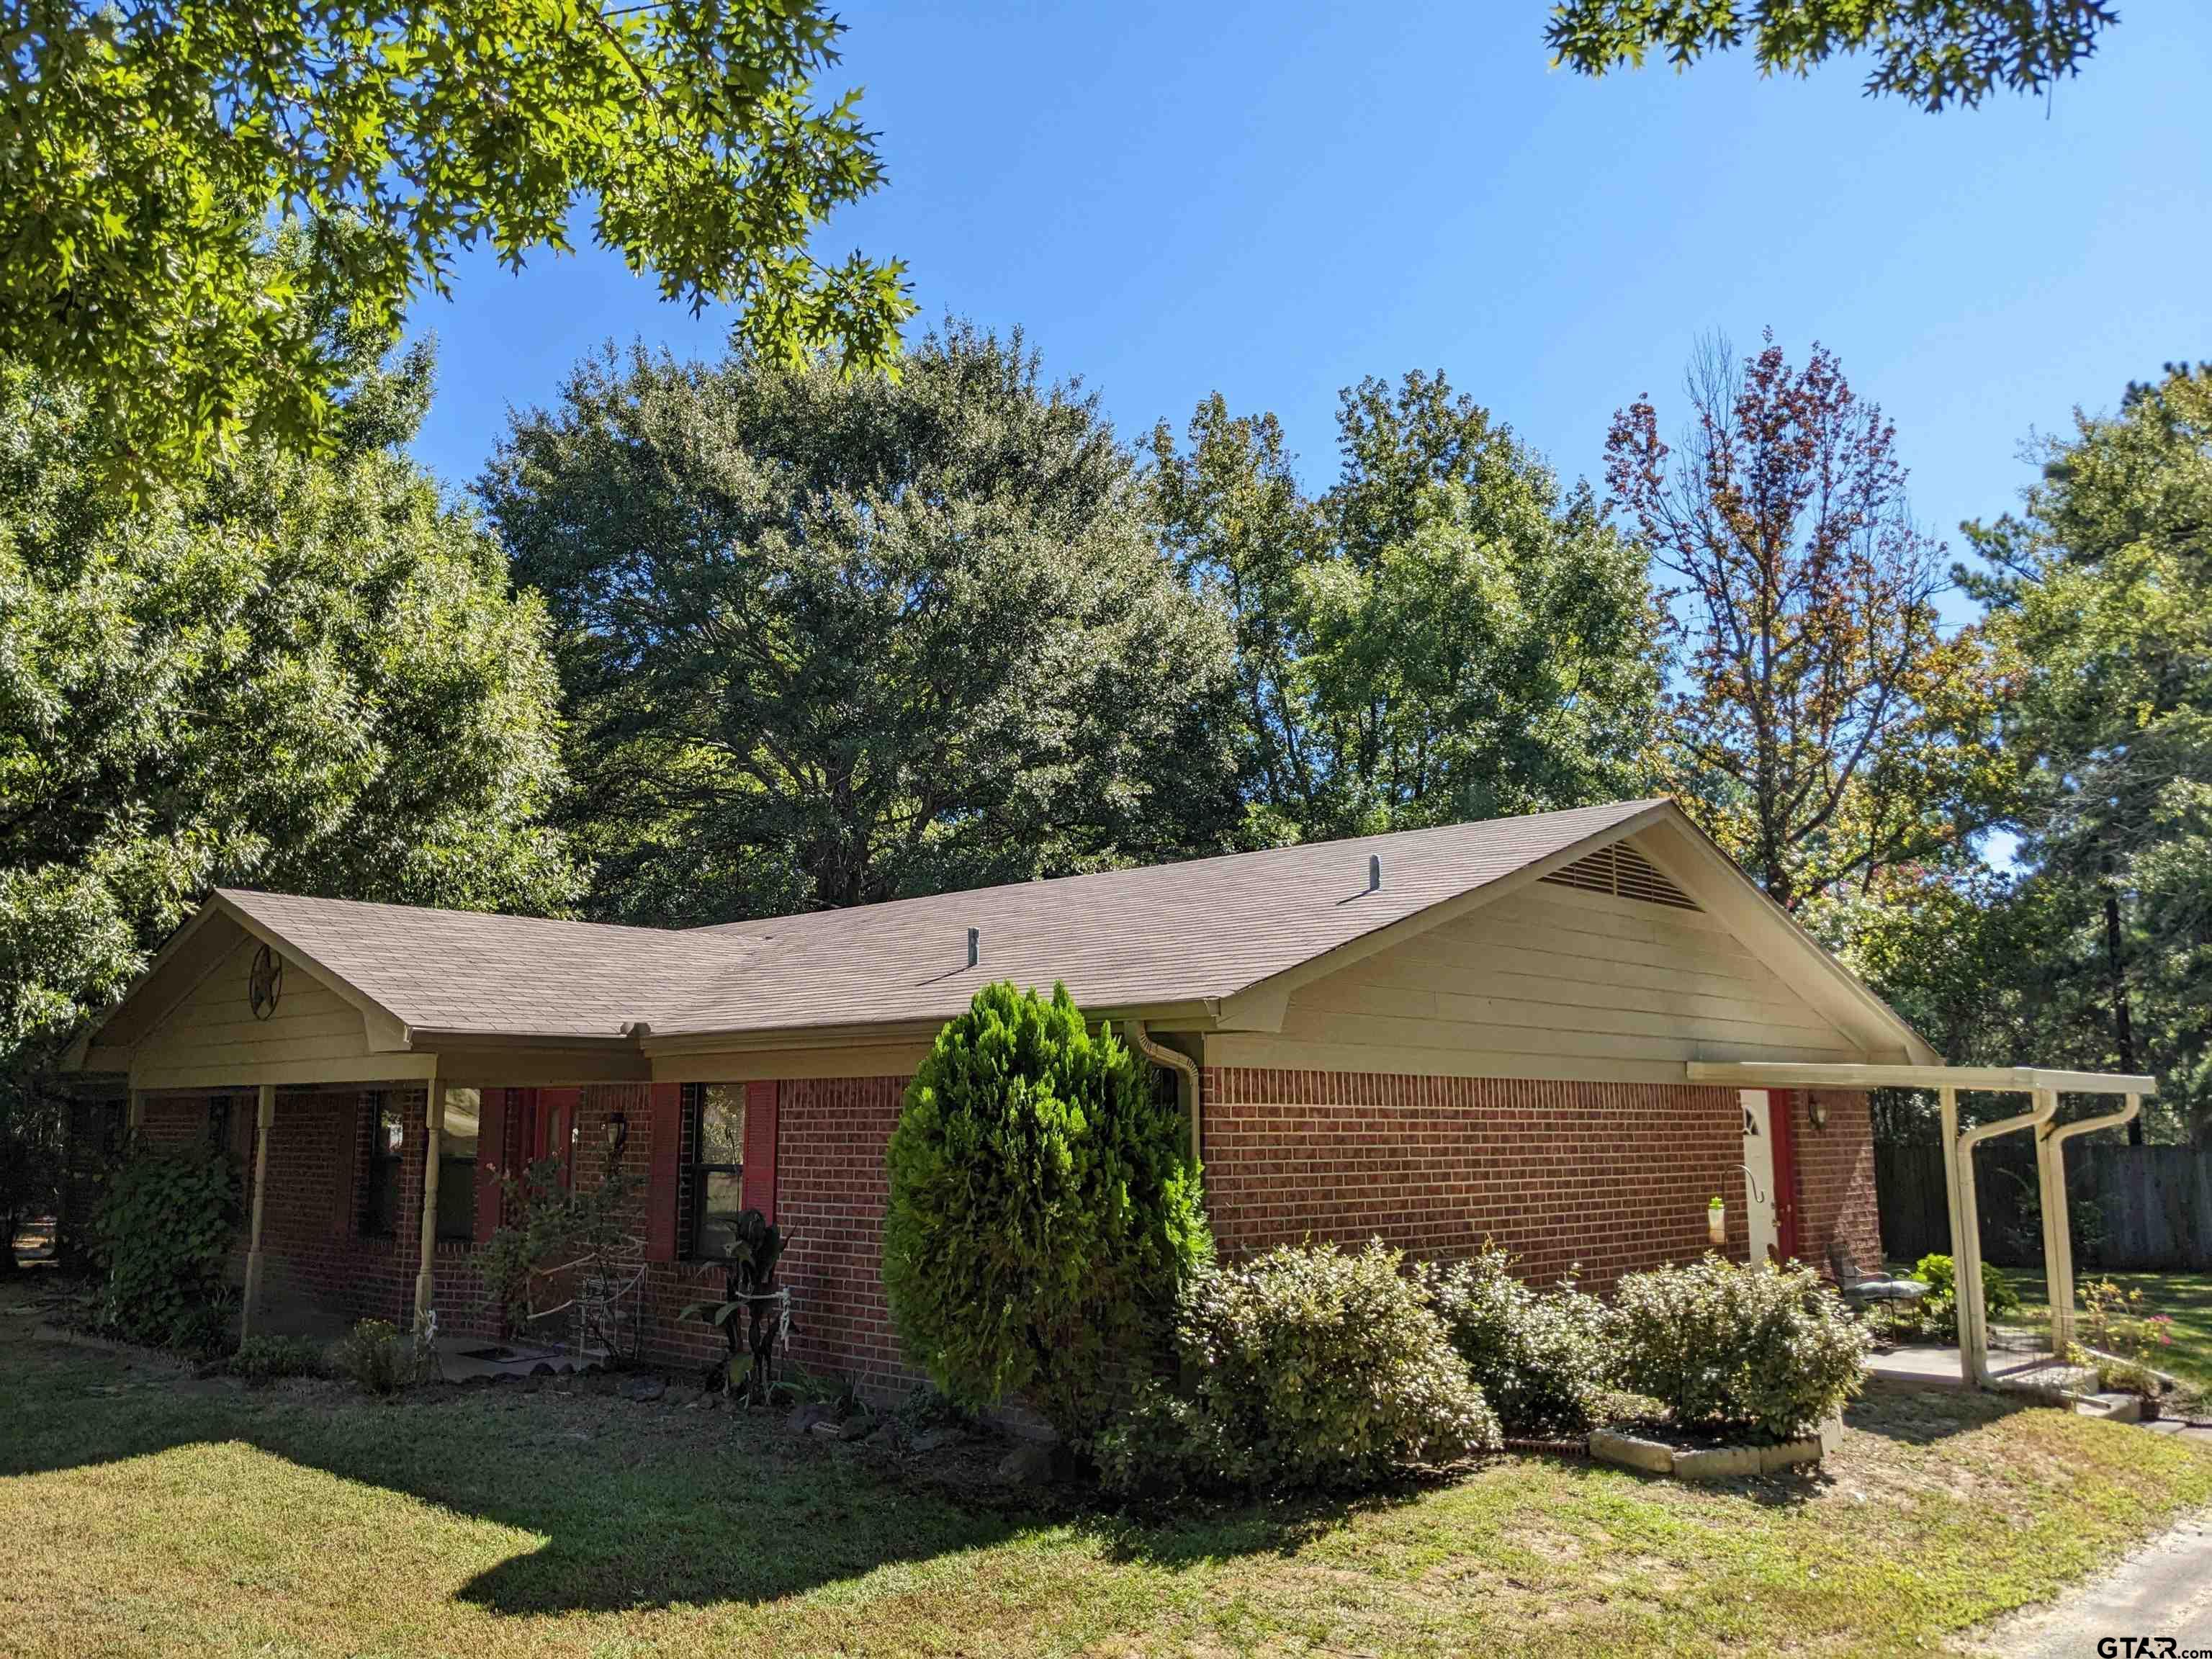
x=134, y=1114
x=2057, y=1235
x=1965, y=1225
x=264, y=1116
x=434, y=1121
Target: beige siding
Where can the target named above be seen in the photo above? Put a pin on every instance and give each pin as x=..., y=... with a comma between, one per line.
x=1548, y=982
x=213, y=1026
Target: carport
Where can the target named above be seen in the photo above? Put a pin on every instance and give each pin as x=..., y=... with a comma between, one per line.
x=2043, y=1088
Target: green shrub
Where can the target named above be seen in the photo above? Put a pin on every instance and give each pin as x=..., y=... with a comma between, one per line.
x=1043, y=1213
x=1768, y=1348
x=262, y=1358
x=160, y=1240
x=380, y=1357
x=1538, y=1357
x=1307, y=1367
x=1936, y=1314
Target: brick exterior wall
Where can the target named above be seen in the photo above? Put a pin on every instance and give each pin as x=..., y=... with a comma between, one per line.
x=1602, y=1177
x=1835, y=1178
x=1607, y=1176
x=832, y=1188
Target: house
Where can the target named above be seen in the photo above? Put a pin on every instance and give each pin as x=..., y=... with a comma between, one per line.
x=1507, y=1029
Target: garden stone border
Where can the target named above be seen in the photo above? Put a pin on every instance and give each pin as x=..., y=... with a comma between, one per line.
x=1713, y=1462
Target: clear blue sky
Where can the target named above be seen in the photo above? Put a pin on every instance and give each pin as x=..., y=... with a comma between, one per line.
x=1274, y=200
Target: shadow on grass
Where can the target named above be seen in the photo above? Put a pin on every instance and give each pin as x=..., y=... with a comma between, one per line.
x=1922, y=1417
x=638, y=1505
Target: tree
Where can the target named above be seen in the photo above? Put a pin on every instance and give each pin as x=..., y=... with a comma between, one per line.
x=828, y=641
x=2102, y=589
x=1827, y=733
x=1446, y=636
x=149, y=145
x=303, y=673
x=1935, y=52
x=1042, y=1216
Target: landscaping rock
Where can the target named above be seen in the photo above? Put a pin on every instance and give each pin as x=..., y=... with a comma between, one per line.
x=858, y=1427
x=1029, y=1464
x=826, y=1429
x=930, y=1440
x=805, y=1417
x=1718, y=1463
x=643, y=1388
x=680, y=1395
x=1608, y=1446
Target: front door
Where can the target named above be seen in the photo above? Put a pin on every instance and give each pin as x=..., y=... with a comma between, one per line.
x=1758, y=1175
x=1769, y=1161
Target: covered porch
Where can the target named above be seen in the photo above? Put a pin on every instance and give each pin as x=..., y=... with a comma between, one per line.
x=369, y=1144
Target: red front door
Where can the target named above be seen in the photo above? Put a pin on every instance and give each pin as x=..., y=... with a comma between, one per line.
x=1782, y=1133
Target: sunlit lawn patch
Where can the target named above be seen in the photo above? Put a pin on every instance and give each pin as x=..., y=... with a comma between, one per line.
x=138, y=1513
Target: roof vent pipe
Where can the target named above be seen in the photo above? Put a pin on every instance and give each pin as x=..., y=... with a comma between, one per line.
x=974, y=941
x=1374, y=872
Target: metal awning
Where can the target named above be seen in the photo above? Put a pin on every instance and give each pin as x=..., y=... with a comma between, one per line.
x=2043, y=1087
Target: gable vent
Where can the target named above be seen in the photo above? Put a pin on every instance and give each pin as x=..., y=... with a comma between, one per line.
x=1624, y=873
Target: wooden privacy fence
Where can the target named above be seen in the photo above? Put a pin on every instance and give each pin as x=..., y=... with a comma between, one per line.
x=2135, y=1208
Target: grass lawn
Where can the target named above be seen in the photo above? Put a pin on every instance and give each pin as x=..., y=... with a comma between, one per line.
x=142, y=1513
x=2186, y=1297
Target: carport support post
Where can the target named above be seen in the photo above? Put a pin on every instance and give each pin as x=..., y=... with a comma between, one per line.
x=434, y=1121
x=265, y=1114
x=2057, y=1236
x=1965, y=1224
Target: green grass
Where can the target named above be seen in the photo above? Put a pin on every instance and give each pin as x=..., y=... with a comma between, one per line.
x=141, y=1514
x=2185, y=1297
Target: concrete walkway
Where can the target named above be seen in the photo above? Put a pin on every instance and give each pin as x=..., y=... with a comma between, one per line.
x=2164, y=1588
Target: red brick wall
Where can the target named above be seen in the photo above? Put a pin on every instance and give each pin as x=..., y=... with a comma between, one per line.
x=1835, y=1177
x=1608, y=1177
x=831, y=1191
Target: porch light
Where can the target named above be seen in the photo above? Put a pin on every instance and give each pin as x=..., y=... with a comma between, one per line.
x=617, y=1133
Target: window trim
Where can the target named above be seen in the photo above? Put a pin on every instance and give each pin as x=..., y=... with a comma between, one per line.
x=375, y=1104
x=692, y=1190
x=456, y=1173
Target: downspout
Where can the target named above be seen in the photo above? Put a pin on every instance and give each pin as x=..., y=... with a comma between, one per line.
x=1966, y=1244
x=1185, y=1067
x=2059, y=1274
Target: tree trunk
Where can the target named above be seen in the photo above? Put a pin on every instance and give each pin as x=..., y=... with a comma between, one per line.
x=2124, y=1032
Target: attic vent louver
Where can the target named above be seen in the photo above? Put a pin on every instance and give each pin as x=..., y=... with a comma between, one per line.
x=1623, y=872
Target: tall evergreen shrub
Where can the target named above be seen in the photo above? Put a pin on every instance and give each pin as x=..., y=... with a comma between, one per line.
x=1043, y=1213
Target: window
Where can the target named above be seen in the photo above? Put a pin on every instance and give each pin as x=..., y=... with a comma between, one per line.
x=456, y=1164
x=388, y=1132
x=716, y=1182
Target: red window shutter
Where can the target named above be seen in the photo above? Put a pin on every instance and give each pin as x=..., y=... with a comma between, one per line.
x=491, y=1138
x=760, y=1148
x=663, y=1169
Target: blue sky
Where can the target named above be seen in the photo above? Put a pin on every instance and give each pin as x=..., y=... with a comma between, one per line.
x=1272, y=201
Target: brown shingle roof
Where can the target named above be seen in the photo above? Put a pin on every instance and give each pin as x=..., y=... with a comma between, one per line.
x=1167, y=934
